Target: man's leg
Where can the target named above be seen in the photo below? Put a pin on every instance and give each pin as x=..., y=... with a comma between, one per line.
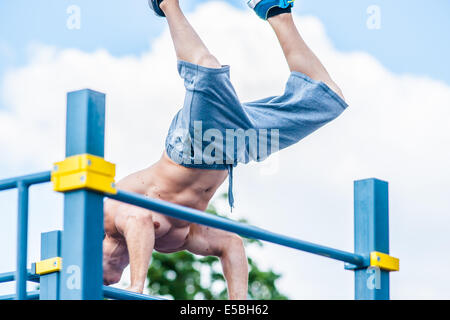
x=188, y=45
x=299, y=56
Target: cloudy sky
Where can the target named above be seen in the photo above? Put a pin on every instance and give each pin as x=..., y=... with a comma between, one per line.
x=394, y=73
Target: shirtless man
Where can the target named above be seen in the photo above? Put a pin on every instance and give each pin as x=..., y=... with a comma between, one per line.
x=311, y=100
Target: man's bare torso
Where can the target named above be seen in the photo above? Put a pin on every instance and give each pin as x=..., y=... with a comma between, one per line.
x=171, y=182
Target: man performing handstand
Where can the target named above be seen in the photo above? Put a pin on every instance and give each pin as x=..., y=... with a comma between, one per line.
x=190, y=170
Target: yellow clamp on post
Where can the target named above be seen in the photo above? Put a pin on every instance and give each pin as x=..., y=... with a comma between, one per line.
x=384, y=261
x=48, y=266
x=84, y=171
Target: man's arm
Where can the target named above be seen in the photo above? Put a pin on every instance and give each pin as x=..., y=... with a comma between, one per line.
x=136, y=226
x=229, y=248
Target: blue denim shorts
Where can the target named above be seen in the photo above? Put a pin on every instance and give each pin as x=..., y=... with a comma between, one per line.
x=215, y=130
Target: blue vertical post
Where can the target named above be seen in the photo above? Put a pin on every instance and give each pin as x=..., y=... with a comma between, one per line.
x=371, y=205
x=82, y=274
x=22, y=241
x=50, y=248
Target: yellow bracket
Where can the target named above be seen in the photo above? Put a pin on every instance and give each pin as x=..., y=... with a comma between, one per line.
x=48, y=266
x=84, y=171
x=384, y=261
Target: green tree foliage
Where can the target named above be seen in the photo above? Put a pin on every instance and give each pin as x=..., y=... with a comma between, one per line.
x=185, y=276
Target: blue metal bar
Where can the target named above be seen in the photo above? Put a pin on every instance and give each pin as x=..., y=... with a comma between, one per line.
x=32, y=295
x=82, y=273
x=371, y=234
x=22, y=184
x=119, y=294
x=29, y=180
x=50, y=248
x=200, y=217
x=22, y=241
x=7, y=277
x=11, y=276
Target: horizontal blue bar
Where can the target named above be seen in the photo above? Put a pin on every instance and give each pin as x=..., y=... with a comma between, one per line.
x=36, y=178
x=109, y=292
x=200, y=217
x=119, y=294
x=32, y=295
x=10, y=276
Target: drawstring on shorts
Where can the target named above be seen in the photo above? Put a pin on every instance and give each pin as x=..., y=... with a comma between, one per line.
x=230, y=187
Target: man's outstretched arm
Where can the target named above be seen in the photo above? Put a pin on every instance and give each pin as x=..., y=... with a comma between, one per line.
x=229, y=248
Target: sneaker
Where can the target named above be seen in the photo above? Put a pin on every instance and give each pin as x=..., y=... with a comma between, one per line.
x=269, y=8
x=154, y=5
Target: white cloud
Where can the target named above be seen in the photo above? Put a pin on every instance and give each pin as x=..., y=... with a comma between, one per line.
x=396, y=129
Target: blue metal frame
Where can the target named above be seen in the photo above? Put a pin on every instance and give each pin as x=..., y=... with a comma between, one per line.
x=11, y=276
x=32, y=295
x=50, y=248
x=371, y=205
x=82, y=274
x=81, y=242
x=119, y=294
x=22, y=241
x=22, y=185
x=31, y=179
